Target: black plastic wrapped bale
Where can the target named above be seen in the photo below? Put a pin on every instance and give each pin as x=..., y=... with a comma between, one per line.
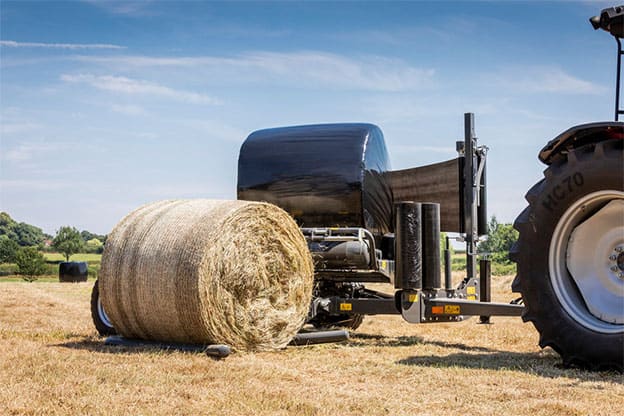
x=73, y=271
x=329, y=175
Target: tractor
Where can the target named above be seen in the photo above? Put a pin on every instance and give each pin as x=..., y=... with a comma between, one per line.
x=365, y=223
x=570, y=253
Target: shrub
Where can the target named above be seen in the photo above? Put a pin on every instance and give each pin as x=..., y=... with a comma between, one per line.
x=8, y=269
x=93, y=270
x=458, y=262
x=8, y=249
x=503, y=269
x=31, y=263
x=500, y=239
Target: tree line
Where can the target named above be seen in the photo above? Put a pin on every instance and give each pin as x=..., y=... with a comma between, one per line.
x=500, y=239
x=16, y=237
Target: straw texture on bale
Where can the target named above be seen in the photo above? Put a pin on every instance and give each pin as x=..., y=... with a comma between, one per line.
x=205, y=271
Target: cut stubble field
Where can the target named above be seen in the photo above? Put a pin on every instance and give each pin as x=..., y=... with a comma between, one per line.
x=53, y=362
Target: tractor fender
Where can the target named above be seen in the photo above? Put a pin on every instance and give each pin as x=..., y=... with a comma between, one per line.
x=581, y=135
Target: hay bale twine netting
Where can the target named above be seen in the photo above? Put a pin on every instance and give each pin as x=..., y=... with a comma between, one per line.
x=205, y=271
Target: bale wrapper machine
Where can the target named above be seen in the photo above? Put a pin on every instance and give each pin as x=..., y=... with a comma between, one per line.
x=367, y=224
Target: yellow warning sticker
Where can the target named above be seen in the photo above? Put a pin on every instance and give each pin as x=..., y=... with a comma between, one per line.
x=412, y=297
x=384, y=264
x=346, y=306
x=471, y=297
x=471, y=290
x=451, y=309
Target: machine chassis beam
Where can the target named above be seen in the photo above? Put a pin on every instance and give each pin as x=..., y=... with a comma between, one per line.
x=422, y=306
x=471, y=308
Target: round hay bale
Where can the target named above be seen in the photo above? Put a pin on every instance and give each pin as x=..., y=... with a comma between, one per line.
x=205, y=271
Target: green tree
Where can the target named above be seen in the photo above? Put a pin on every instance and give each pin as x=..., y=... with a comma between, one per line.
x=86, y=236
x=94, y=245
x=7, y=224
x=31, y=263
x=501, y=237
x=67, y=241
x=28, y=235
x=8, y=249
x=22, y=233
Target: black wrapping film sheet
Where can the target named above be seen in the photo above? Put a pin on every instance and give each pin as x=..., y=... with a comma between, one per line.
x=439, y=183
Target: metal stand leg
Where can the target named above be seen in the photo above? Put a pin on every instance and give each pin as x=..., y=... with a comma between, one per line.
x=485, y=281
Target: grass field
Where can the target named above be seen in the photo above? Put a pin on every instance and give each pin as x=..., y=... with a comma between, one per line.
x=9, y=271
x=53, y=362
x=88, y=257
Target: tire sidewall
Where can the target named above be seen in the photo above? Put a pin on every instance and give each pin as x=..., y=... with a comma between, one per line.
x=103, y=328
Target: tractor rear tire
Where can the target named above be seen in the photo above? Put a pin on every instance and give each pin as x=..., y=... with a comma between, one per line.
x=100, y=319
x=570, y=256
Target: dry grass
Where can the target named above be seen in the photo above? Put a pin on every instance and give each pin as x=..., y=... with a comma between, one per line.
x=52, y=362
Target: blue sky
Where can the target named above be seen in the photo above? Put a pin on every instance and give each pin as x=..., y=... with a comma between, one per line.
x=105, y=106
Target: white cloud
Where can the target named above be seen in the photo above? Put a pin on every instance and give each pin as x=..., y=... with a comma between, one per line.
x=146, y=136
x=14, y=44
x=547, y=80
x=17, y=127
x=454, y=29
x=133, y=86
x=143, y=61
x=129, y=109
x=373, y=73
x=25, y=152
x=302, y=68
x=125, y=7
x=216, y=130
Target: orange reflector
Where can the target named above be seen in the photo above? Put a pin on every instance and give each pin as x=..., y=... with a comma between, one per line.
x=437, y=310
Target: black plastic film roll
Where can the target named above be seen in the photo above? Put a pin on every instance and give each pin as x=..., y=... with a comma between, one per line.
x=431, y=245
x=408, y=247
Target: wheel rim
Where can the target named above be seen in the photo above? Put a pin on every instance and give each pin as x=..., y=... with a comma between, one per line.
x=102, y=314
x=584, y=271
